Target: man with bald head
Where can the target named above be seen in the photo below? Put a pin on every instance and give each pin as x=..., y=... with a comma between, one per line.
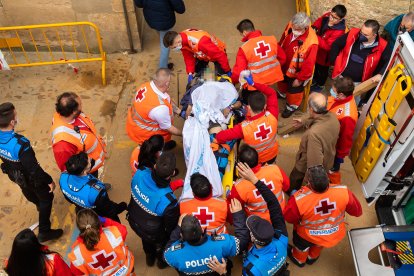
x=152, y=111
x=318, y=144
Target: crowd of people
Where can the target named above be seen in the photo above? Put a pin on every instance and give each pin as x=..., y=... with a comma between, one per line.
x=193, y=235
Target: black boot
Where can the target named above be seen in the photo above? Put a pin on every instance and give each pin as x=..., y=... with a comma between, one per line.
x=52, y=234
x=150, y=259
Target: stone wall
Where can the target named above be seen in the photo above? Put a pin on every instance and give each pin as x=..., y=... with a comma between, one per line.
x=361, y=10
x=106, y=14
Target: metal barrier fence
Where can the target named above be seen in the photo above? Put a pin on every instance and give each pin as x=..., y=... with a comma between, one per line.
x=47, y=44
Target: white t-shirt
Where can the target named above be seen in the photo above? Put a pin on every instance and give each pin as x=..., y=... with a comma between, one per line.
x=161, y=113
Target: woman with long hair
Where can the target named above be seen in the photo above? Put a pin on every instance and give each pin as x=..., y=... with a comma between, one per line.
x=29, y=257
x=100, y=248
x=146, y=155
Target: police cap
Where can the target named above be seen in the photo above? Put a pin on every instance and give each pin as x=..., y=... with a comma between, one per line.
x=261, y=229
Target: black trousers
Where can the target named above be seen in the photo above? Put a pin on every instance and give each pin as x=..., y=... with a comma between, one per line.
x=320, y=74
x=300, y=242
x=43, y=200
x=201, y=65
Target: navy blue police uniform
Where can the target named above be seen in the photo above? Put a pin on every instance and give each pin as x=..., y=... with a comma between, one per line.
x=20, y=164
x=271, y=258
x=88, y=192
x=153, y=210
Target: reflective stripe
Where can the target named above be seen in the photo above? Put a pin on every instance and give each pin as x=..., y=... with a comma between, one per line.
x=139, y=124
x=256, y=204
x=266, y=145
x=79, y=261
x=267, y=67
x=99, y=161
x=111, y=238
x=139, y=117
x=302, y=195
x=142, y=206
x=258, y=63
x=260, y=210
x=333, y=219
x=93, y=147
x=325, y=226
x=223, y=227
x=69, y=131
x=291, y=70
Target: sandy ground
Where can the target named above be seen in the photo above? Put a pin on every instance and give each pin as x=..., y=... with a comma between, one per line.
x=34, y=91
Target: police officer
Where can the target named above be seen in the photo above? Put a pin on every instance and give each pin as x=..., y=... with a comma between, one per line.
x=81, y=188
x=153, y=210
x=268, y=254
x=22, y=167
x=190, y=249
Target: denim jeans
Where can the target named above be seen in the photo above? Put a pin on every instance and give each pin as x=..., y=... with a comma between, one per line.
x=164, y=52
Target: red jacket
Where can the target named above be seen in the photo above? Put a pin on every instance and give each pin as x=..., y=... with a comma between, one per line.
x=108, y=222
x=371, y=62
x=346, y=131
x=272, y=106
x=292, y=215
x=290, y=48
x=206, y=46
x=326, y=36
x=241, y=60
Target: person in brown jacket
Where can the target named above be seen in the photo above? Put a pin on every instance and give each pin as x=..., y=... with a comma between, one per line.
x=318, y=144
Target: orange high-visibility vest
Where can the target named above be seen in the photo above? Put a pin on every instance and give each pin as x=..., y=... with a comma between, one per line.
x=298, y=58
x=87, y=140
x=348, y=109
x=110, y=255
x=133, y=161
x=211, y=213
x=194, y=37
x=322, y=215
x=261, y=55
x=254, y=204
x=261, y=135
x=139, y=125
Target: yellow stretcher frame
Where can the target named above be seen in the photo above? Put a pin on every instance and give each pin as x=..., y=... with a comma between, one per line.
x=227, y=180
x=14, y=41
x=379, y=122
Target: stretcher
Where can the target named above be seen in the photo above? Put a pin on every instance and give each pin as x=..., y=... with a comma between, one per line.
x=229, y=173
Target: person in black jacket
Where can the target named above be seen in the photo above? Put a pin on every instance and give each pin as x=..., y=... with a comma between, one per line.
x=160, y=15
x=21, y=166
x=153, y=210
x=268, y=254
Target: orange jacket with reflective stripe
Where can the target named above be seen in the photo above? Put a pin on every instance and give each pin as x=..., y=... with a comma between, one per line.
x=254, y=204
x=85, y=140
x=261, y=135
x=298, y=58
x=348, y=109
x=109, y=256
x=212, y=213
x=133, y=161
x=194, y=37
x=140, y=126
x=322, y=215
x=261, y=55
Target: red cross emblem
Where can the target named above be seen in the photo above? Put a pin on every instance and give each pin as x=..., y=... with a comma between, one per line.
x=204, y=216
x=262, y=49
x=140, y=94
x=269, y=184
x=339, y=111
x=262, y=132
x=325, y=207
x=102, y=260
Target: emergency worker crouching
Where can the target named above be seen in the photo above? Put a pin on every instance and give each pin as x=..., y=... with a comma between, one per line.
x=86, y=191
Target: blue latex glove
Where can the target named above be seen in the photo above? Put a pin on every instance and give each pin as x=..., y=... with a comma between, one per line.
x=190, y=77
x=249, y=80
x=102, y=220
x=229, y=74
